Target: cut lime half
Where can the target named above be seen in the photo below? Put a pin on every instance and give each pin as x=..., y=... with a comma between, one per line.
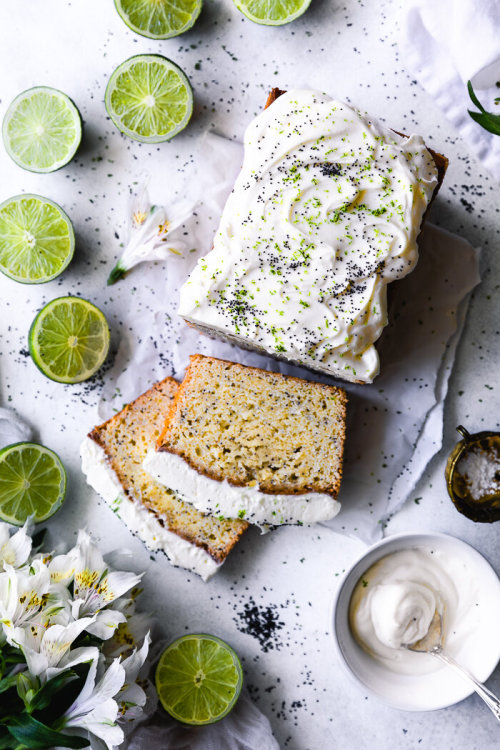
x=198, y=679
x=42, y=129
x=69, y=339
x=159, y=19
x=272, y=12
x=32, y=483
x=149, y=98
x=36, y=239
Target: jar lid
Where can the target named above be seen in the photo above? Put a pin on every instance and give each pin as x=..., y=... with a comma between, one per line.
x=473, y=475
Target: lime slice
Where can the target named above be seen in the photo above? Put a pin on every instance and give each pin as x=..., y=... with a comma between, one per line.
x=42, y=129
x=159, y=19
x=36, y=239
x=32, y=483
x=272, y=12
x=69, y=339
x=149, y=98
x=198, y=679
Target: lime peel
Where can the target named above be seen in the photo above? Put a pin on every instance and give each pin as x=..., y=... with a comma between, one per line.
x=198, y=679
x=37, y=240
x=32, y=483
x=42, y=129
x=272, y=12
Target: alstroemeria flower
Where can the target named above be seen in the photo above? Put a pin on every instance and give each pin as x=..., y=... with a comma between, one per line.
x=14, y=550
x=95, y=588
x=132, y=697
x=24, y=595
x=155, y=233
x=95, y=710
x=48, y=650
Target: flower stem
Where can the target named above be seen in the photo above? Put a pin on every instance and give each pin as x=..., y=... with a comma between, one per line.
x=116, y=274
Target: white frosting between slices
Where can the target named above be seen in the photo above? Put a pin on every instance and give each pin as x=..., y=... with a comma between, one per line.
x=324, y=214
x=138, y=518
x=248, y=503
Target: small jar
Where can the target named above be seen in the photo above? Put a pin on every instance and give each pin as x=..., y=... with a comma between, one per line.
x=473, y=475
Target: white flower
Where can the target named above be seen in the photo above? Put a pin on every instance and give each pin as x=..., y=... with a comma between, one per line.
x=95, y=710
x=14, y=550
x=24, y=596
x=155, y=233
x=132, y=697
x=95, y=588
x=48, y=650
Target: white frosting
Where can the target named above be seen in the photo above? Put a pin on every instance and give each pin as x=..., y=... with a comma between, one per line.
x=139, y=519
x=394, y=603
x=248, y=503
x=324, y=214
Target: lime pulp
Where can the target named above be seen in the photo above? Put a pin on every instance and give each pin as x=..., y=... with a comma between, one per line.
x=198, y=679
x=149, y=98
x=36, y=239
x=69, y=339
x=42, y=129
x=159, y=19
x=32, y=483
x=272, y=12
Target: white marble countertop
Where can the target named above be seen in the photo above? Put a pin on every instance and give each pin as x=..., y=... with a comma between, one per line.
x=349, y=50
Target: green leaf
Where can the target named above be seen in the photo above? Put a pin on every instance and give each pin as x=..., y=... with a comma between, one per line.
x=486, y=120
x=37, y=736
x=66, y=697
x=474, y=98
x=43, y=697
x=489, y=122
x=8, y=682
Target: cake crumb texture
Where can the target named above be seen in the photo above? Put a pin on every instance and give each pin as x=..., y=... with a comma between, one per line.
x=126, y=438
x=251, y=426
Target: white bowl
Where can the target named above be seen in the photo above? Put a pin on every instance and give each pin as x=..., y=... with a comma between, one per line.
x=440, y=688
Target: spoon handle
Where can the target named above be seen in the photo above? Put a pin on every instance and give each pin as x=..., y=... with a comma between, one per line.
x=488, y=697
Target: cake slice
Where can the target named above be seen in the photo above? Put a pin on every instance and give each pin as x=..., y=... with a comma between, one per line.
x=252, y=444
x=112, y=457
x=324, y=214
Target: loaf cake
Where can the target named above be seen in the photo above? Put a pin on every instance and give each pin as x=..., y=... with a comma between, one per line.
x=112, y=457
x=251, y=444
x=325, y=213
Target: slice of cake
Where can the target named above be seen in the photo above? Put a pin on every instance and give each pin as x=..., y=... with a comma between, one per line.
x=112, y=457
x=325, y=212
x=248, y=443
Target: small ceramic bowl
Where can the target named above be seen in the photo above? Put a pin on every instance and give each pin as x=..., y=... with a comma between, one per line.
x=442, y=687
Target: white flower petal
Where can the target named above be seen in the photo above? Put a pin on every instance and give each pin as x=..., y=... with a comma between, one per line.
x=105, y=623
x=16, y=549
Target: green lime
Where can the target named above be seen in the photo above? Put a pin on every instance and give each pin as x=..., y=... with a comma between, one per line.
x=272, y=12
x=32, y=483
x=42, y=129
x=159, y=19
x=149, y=98
x=36, y=239
x=69, y=339
x=198, y=679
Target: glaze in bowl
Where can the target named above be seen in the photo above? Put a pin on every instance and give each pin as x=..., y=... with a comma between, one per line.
x=442, y=687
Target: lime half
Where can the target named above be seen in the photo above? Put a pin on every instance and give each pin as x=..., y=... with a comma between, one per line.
x=198, y=679
x=32, y=483
x=159, y=19
x=272, y=12
x=69, y=339
x=149, y=98
x=36, y=239
x=42, y=129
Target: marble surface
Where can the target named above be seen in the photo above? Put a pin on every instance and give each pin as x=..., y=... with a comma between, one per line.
x=288, y=578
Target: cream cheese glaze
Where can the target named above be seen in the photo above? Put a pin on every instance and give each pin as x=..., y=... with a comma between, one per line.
x=324, y=214
x=229, y=501
x=394, y=602
x=141, y=521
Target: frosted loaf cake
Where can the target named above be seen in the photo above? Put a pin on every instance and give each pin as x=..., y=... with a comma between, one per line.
x=112, y=457
x=248, y=443
x=324, y=214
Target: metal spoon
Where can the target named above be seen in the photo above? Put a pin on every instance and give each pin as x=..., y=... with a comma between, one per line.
x=432, y=643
